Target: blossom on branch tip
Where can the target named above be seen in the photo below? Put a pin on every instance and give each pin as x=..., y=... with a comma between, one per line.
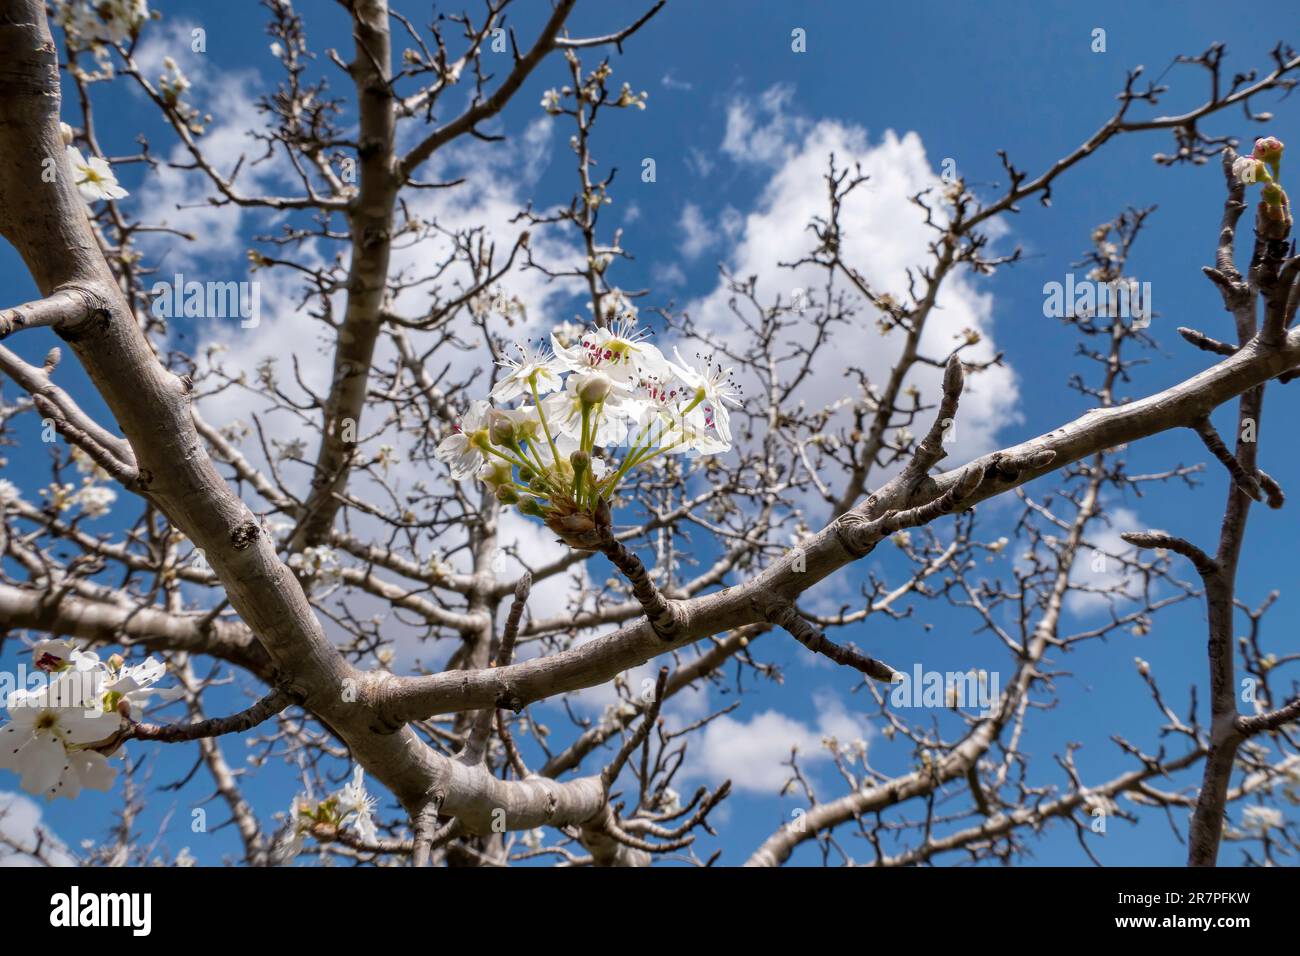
x=356, y=807
x=608, y=388
x=94, y=177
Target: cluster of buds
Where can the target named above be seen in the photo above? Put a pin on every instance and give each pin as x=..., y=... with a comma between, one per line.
x=1264, y=166
x=553, y=457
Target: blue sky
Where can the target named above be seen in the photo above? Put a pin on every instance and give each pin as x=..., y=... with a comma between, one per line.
x=904, y=84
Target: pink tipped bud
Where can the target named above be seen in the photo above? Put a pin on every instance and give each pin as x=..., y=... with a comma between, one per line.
x=1268, y=150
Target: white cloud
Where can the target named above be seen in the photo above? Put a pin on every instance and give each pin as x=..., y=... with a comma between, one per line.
x=20, y=825
x=178, y=197
x=1095, y=568
x=750, y=753
x=669, y=274
x=699, y=162
x=697, y=236
x=763, y=130
x=671, y=82
x=884, y=234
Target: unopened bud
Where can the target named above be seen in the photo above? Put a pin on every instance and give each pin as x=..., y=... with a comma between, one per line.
x=595, y=387
x=501, y=428
x=1268, y=149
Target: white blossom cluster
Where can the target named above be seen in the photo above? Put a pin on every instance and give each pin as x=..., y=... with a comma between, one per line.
x=61, y=734
x=96, y=25
x=551, y=455
x=351, y=808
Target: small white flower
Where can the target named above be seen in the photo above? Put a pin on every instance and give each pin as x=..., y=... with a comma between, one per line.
x=51, y=656
x=714, y=388
x=93, y=177
x=320, y=563
x=87, y=465
x=627, y=97
x=564, y=416
x=620, y=351
x=695, y=436
x=387, y=457
x=94, y=500
x=535, y=367
x=458, y=450
x=8, y=492
x=1255, y=817
x=134, y=684
x=356, y=806
x=294, y=448
x=568, y=334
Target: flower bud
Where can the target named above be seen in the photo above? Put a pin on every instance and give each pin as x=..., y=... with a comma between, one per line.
x=595, y=387
x=532, y=507
x=1269, y=150
x=501, y=428
x=507, y=495
x=66, y=132
x=580, y=460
